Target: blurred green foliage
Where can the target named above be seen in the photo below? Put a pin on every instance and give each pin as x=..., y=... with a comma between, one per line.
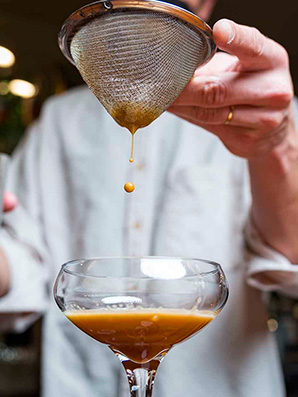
x=15, y=114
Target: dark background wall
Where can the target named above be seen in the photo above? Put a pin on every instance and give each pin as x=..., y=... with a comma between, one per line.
x=30, y=29
x=276, y=19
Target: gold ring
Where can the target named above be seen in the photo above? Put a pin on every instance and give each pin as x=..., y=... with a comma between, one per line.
x=230, y=115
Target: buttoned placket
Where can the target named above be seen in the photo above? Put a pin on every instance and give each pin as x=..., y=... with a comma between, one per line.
x=138, y=217
x=138, y=203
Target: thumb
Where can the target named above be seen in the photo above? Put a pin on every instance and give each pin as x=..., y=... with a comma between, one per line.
x=252, y=48
x=224, y=33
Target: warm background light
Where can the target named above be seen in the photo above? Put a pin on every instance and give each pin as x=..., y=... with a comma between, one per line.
x=22, y=88
x=272, y=325
x=7, y=58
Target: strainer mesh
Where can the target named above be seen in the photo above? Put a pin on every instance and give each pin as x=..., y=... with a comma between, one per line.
x=137, y=62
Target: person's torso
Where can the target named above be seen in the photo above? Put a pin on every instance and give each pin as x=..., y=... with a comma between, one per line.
x=191, y=200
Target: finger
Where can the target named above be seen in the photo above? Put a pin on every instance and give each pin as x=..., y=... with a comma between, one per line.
x=220, y=130
x=254, y=50
x=231, y=89
x=10, y=201
x=216, y=63
x=263, y=119
x=242, y=141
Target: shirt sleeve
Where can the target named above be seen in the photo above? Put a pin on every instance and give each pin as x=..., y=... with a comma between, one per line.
x=263, y=263
x=21, y=236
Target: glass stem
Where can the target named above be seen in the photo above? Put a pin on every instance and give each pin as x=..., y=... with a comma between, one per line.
x=140, y=376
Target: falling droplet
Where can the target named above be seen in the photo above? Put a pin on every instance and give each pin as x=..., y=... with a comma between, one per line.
x=132, y=147
x=129, y=187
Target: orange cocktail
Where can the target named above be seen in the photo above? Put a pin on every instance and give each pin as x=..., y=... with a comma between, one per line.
x=140, y=335
x=141, y=307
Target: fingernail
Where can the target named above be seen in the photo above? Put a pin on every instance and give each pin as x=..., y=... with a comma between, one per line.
x=228, y=30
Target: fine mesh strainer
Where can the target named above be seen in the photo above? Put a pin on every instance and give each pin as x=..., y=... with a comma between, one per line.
x=136, y=55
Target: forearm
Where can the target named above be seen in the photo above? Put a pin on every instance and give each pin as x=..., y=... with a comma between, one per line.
x=274, y=184
x=4, y=274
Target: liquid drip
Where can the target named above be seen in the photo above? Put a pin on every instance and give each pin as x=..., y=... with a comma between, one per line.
x=133, y=116
x=129, y=187
x=131, y=160
x=143, y=334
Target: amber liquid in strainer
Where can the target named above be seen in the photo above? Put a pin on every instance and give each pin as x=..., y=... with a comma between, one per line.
x=133, y=117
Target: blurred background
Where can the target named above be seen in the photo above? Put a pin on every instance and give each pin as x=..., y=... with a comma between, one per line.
x=34, y=70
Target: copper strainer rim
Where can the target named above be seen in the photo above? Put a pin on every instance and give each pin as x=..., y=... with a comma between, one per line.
x=85, y=14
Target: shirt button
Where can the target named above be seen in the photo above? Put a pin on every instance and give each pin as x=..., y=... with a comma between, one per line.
x=137, y=225
x=140, y=166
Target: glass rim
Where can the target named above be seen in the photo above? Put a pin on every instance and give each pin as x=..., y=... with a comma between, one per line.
x=217, y=266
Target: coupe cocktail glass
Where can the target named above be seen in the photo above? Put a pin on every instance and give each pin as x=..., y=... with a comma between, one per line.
x=141, y=307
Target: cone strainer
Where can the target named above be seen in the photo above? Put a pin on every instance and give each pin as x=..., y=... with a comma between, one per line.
x=136, y=55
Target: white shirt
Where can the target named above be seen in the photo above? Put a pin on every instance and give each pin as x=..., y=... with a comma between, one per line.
x=192, y=199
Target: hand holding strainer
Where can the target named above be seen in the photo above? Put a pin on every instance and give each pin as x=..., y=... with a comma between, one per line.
x=136, y=56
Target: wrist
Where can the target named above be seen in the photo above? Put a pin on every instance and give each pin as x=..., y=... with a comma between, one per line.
x=281, y=158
